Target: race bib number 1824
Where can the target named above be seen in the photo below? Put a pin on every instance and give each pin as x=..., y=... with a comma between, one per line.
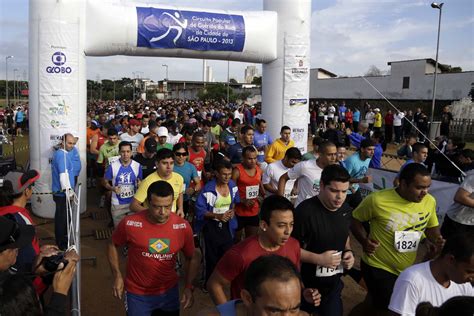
x=407, y=241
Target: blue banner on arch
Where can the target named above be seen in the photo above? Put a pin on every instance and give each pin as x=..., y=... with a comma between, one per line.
x=205, y=31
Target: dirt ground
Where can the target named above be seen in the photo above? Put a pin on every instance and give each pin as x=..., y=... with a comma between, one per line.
x=96, y=277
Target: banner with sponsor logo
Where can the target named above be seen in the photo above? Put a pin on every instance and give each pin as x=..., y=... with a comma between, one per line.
x=443, y=192
x=58, y=82
x=296, y=89
x=203, y=31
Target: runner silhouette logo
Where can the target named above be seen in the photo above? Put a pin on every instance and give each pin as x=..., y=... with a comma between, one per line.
x=205, y=31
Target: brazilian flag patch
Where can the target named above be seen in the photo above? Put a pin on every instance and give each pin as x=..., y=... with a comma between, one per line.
x=160, y=245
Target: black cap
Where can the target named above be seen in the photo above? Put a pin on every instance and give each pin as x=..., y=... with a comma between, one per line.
x=151, y=145
x=14, y=235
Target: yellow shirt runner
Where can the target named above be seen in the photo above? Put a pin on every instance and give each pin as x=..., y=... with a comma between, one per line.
x=397, y=224
x=176, y=182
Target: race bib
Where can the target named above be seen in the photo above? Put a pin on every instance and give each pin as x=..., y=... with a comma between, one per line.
x=407, y=241
x=327, y=272
x=127, y=191
x=113, y=159
x=251, y=192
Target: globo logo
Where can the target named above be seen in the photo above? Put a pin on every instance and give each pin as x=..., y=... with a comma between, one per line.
x=58, y=59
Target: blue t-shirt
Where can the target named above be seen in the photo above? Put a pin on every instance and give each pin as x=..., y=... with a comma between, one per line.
x=342, y=112
x=356, y=116
x=61, y=162
x=189, y=172
x=20, y=115
x=229, y=308
x=235, y=153
x=76, y=161
x=357, y=168
x=376, y=161
x=124, y=177
x=261, y=140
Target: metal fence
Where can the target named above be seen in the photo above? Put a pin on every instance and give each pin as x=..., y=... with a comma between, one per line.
x=463, y=128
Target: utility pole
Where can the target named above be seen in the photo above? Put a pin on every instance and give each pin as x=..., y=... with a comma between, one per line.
x=6, y=77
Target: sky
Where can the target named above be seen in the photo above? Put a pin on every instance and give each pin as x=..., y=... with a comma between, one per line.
x=347, y=38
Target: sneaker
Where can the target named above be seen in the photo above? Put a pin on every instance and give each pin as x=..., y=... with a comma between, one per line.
x=102, y=201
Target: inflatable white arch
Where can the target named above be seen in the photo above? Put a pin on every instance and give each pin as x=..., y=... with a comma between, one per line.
x=63, y=32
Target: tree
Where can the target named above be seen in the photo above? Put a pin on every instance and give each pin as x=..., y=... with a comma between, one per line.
x=373, y=71
x=257, y=80
x=216, y=91
x=233, y=81
x=448, y=69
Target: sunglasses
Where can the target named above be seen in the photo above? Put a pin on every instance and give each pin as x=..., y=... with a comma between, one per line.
x=181, y=154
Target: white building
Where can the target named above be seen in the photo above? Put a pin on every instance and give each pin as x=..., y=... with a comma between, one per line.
x=408, y=80
x=250, y=73
x=209, y=75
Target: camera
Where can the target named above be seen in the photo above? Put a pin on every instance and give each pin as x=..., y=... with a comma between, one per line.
x=52, y=263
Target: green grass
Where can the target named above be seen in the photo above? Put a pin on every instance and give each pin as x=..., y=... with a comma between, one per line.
x=22, y=153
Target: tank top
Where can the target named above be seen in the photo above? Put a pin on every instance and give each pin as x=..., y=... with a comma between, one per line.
x=248, y=189
x=100, y=141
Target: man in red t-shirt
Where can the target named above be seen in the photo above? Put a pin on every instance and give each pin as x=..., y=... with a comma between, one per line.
x=248, y=178
x=197, y=153
x=154, y=238
x=276, y=225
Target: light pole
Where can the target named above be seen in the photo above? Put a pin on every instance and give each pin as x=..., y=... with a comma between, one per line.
x=228, y=81
x=113, y=78
x=166, y=66
x=15, y=87
x=439, y=6
x=133, y=73
x=6, y=77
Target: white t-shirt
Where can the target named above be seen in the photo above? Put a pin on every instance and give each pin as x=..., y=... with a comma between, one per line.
x=272, y=174
x=239, y=115
x=331, y=111
x=173, y=139
x=309, y=175
x=369, y=117
x=134, y=140
x=397, y=119
x=417, y=284
x=461, y=213
x=145, y=130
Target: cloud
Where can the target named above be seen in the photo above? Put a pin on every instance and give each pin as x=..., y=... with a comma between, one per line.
x=348, y=36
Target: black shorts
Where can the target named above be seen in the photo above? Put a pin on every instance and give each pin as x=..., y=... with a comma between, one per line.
x=245, y=221
x=379, y=283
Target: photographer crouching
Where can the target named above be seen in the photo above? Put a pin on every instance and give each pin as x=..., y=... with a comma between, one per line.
x=17, y=293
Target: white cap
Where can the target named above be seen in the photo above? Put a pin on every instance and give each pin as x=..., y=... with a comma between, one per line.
x=162, y=131
x=377, y=110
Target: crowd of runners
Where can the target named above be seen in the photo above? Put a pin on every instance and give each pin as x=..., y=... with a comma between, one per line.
x=203, y=188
